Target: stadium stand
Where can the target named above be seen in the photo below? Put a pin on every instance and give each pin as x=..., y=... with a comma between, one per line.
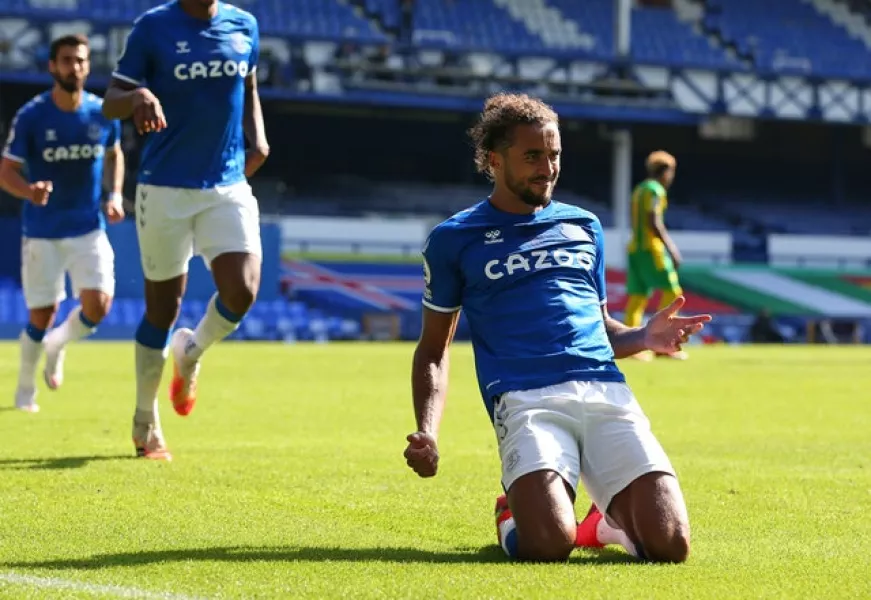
x=775, y=34
x=438, y=51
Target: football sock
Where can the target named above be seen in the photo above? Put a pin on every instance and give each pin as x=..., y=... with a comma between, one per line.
x=151, y=353
x=599, y=532
x=667, y=298
x=508, y=535
x=75, y=327
x=217, y=323
x=634, y=313
x=30, y=342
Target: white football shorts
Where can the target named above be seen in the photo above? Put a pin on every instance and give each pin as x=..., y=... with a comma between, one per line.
x=593, y=431
x=89, y=259
x=175, y=223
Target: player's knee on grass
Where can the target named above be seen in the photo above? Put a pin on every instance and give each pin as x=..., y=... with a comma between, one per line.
x=163, y=301
x=543, y=510
x=237, y=277
x=43, y=317
x=95, y=305
x=652, y=511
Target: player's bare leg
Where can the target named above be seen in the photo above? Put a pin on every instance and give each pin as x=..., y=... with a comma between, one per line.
x=79, y=324
x=651, y=513
x=162, y=305
x=30, y=342
x=237, y=277
x=537, y=522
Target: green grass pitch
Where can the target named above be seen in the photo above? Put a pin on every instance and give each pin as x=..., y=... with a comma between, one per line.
x=289, y=482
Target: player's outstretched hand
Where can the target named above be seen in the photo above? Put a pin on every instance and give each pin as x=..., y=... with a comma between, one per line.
x=422, y=454
x=148, y=114
x=114, y=212
x=40, y=191
x=666, y=332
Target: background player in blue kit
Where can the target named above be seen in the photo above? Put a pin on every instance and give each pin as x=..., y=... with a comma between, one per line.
x=54, y=160
x=529, y=272
x=187, y=78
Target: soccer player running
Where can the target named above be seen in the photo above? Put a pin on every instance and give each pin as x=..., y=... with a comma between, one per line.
x=653, y=257
x=61, y=151
x=529, y=272
x=187, y=78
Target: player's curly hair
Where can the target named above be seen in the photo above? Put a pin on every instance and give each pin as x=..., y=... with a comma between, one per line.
x=495, y=127
x=658, y=162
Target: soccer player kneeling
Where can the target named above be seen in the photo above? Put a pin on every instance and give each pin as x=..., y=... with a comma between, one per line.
x=529, y=272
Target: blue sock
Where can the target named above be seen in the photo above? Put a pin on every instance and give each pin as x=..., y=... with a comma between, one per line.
x=509, y=544
x=150, y=336
x=226, y=312
x=34, y=333
x=86, y=321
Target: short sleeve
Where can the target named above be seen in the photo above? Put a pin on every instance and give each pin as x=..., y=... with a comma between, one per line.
x=255, y=47
x=443, y=281
x=114, y=133
x=133, y=64
x=600, y=274
x=654, y=202
x=18, y=142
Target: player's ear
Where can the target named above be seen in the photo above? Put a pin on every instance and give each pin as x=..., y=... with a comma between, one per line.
x=495, y=161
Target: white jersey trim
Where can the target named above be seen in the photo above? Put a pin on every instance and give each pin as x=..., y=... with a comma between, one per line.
x=440, y=309
x=12, y=157
x=118, y=75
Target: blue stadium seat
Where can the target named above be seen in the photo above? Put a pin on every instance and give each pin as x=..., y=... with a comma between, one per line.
x=327, y=19
x=788, y=36
x=471, y=24
x=658, y=36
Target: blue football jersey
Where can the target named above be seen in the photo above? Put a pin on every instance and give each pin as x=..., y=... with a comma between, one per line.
x=532, y=289
x=68, y=149
x=197, y=70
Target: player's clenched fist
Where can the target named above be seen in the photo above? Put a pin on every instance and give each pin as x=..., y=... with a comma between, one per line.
x=148, y=114
x=40, y=191
x=422, y=454
x=114, y=212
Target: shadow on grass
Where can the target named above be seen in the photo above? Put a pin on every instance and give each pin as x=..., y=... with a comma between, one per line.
x=57, y=462
x=242, y=554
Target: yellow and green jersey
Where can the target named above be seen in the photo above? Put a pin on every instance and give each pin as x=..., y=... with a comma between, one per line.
x=648, y=196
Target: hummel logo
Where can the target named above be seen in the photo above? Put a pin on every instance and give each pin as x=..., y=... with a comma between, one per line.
x=50, y=135
x=182, y=48
x=494, y=236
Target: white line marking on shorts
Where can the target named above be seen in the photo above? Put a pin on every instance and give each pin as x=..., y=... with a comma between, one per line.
x=116, y=591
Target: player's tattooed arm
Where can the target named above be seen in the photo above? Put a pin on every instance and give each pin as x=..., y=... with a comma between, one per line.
x=125, y=100
x=254, y=127
x=429, y=387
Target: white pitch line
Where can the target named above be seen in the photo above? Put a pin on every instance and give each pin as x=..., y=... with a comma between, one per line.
x=116, y=591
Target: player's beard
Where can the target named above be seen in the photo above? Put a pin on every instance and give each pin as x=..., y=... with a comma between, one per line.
x=69, y=84
x=525, y=193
